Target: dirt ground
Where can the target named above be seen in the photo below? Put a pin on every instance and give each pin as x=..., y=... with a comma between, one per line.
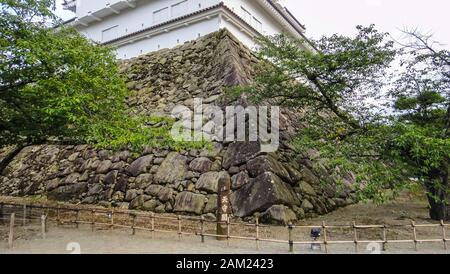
x=68, y=239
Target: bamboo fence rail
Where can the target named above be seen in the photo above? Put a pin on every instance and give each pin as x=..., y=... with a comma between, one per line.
x=198, y=226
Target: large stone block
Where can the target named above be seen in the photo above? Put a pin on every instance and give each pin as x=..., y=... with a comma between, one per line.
x=262, y=193
x=267, y=163
x=141, y=165
x=239, y=153
x=189, y=202
x=209, y=182
x=172, y=170
x=69, y=192
x=201, y=165
x=278, y=214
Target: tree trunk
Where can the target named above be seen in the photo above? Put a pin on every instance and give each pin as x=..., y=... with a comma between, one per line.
x=439, y=194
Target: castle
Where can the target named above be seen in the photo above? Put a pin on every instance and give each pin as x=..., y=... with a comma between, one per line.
x=136, y=27
x=281, y=186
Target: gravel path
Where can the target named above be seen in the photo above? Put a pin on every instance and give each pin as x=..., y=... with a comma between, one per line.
x=65, y=240
x=60, y=240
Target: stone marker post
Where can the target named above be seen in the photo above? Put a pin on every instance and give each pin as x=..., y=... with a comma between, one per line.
x=223, y=207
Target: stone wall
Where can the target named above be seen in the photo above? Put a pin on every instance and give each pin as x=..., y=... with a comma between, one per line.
x=277, y=186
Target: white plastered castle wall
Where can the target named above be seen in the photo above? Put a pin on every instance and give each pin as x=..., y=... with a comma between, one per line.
x=125, y=29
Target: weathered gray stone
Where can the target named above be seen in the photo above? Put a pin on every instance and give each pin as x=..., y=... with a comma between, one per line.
x=189, y=202
x=309, y=177
x=67, y=193
x=103, y=154
x=89, y=200
x=234, y=170
x=141, y=165
x=118, y=166
x=160, y=209
x=307, y=206
x=107, y=194
x=137, y=202
x=169, y=207
x=209, y=182
x=111, y=177
x=151, y=205
x=278, y=214
x=294, y=174
x=240, y=180
x=124, y=155
x=95, y=190
x=131, y=195
x=211, y=205
x=153, y=190
x=307, y=189
x=118, y=196
x=262, y=193
x=104, y=167
x=158, y=161
x=266, y=163
x=32, y=188
x=143, y=180
x=84, y=177
x=173, y=169
x=239, y=153
x=121, y=184
x=299, y=212
x=73, y=157
x=72, y=178
x=165, y=195
x=201, y=165
x=51, y=185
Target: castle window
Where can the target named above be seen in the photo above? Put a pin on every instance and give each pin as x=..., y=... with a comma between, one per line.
x=246, y=15
x=109, y=33
x=179, y=8
x=160, y=15
x=257, y=24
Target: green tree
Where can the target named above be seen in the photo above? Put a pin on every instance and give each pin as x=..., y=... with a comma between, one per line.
x=53, y=83
x=341, y=90
x=57, y=86
x=422, y=100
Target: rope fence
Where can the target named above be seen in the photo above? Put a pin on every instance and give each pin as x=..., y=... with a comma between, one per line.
x=25, y=214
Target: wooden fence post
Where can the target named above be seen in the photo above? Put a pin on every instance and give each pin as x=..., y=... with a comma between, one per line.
x=1, y=214
x=93, y=220
x=78, y=219
x=11, y=230
x=43, y=226
x=180, y=232
x=57, y=217
x=257, y=233
x=355, y=236
x=112, y=220
x=153, y=224
x=202, y=229
x=325, y=237
x=291, y=242
x=24, y=217
x=444, y=235
x=413, y=225
x=133, y=232
x=228, y=231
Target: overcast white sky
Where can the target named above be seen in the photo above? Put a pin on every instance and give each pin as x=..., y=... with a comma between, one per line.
x=324, y=17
